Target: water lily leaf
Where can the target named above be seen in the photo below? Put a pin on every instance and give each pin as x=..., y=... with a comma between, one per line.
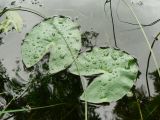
x=15, y=19
x=119, y=71
x=12, y=18
x=59, y=36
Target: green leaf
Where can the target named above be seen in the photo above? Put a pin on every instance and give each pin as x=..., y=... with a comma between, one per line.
x=119, y=71
x=59, y=36
x=12, y=18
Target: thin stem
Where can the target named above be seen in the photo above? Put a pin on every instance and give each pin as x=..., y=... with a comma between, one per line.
x=3, y=111
x=148, y=61
x=74, y=60
x=3, y=93
x=105, y=13
x=21, y=9
x=139, y=107
x=151, y=111
x=113, y=27
x=63, y=117
x=27, y=109
x=144, y=25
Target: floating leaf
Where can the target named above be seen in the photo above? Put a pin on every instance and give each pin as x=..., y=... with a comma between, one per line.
x=59, y=36
x=119, y=71
x=12, y=18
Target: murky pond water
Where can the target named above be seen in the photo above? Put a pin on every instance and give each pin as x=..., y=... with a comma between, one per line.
x=90, y=15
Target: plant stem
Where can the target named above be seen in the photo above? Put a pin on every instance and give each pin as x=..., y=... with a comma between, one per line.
x=34, y=108
x=148, y=61
x=113, y=27
x=139, y=108
x=22, y=9
x=3, y=111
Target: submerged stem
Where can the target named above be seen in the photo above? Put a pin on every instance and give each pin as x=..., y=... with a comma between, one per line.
x=139, y=107
x=27, y=109
x=4, y=109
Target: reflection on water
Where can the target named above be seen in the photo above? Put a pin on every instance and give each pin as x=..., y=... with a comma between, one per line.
x=62, y=89
x=154, y=76
x=127, y=108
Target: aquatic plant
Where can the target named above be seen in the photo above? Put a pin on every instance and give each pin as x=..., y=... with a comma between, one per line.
x=114, y=71
x=12, y=19
x=118, y=73
x=59, y=36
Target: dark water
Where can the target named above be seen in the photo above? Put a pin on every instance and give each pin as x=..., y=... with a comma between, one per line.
x=90, y=15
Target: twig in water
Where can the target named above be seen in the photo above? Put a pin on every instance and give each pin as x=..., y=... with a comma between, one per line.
x=113, y=26
x=143, y=25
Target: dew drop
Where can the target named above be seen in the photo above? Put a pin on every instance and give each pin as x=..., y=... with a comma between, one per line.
x=102, y=95
x=120, y=54
x=87, y=66
x=53, y=34
x=127, y=67
x=87, y=70
x=66, y=65
x=114, y=57
x=99, y=81
x=38, y=37
x=70, y=33
x=106, y=54
x=53, y=59
x=60, y=22
x=100, y=67
x=109, y=70
x=104, y=84
x=67, y=37
x=35, y=56
x=117, y=63
x=62, y=56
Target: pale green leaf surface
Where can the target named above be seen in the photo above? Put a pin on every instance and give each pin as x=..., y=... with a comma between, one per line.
x=119, y=71
x=5, y=25
x=15, y=19
x=58, y=36
x=12, y=19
